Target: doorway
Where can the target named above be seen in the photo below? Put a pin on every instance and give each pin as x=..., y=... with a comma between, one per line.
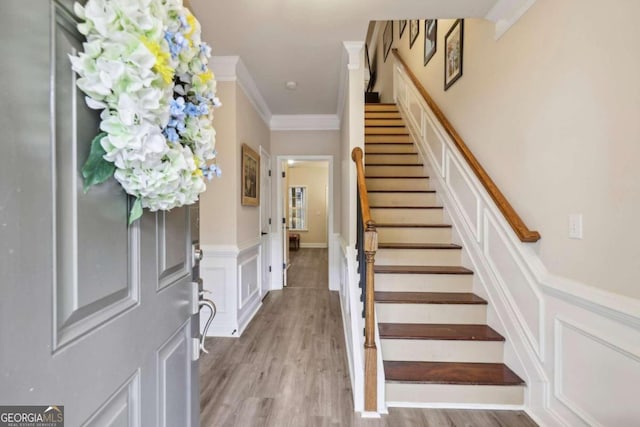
x=305, y=208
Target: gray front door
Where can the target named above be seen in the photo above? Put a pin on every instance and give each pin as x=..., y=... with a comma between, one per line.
x=95, y=315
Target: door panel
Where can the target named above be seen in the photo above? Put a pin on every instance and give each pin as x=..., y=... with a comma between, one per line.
x=95, y=314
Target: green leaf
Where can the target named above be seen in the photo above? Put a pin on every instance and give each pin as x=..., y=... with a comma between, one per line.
x=136, y=211
x=96, y=169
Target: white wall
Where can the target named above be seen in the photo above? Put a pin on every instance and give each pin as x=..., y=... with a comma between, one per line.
x=550, y=110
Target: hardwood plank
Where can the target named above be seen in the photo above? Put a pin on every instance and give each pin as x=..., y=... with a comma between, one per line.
x=451, y=332
x=451, y=373
x=420, y=269
x=429, y=298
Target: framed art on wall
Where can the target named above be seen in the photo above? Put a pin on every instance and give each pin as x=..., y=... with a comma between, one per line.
x=402, y=25
x=414, y=30
x=430, y=39
x=250, y=177
x=453, y=53
x=387, y=39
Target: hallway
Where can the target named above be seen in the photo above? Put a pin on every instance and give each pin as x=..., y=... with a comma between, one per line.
x=289, y=368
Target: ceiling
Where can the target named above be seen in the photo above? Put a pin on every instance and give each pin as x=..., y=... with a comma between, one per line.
x=301, y=40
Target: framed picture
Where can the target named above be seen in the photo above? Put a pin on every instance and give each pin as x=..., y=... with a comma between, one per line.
x=250, y=177
x=414, y=30
x=453, y=51
x=430, y=39
x=402, y=25
x=387, y=39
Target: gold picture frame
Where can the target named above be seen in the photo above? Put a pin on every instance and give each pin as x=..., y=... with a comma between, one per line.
x=250, y=184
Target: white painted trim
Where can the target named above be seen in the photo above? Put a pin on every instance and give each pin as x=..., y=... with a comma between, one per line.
x=232, y=69
x=248, y=245
x=367, y=414
x=242, y=302
x=438, y=405
x=505, y=13
x=305, y=122
x=220, y=250
x=314, y=245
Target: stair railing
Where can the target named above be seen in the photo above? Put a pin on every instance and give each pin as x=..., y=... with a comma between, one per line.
x=367, y=245
x=517, y=224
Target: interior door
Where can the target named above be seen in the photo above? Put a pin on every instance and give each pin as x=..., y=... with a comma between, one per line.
x=95, y=315
x=285, y=222
x=265, y=220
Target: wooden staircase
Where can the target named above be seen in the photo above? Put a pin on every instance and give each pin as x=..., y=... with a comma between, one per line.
x=436, y=345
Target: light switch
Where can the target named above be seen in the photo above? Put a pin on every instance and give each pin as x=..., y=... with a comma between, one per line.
x=575, y=226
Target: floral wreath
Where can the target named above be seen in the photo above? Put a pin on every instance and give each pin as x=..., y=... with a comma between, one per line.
x=145, y=66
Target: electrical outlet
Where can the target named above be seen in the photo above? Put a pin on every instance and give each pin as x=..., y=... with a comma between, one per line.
x=575, y=226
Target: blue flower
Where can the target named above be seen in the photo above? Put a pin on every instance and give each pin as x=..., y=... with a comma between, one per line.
x=191, y=110
x=177, y=108
x=171, y=134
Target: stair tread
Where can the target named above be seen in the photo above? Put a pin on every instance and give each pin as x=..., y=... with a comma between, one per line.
x=396, y=177
x=401, y=191
x=387, y=143
x=406, y=207
x=420, y=269
x=396, y=225
x=453, y=332
x=451, y=373
x=429, y=298
x=418, y=246
x=395, y=164
x=392, y=154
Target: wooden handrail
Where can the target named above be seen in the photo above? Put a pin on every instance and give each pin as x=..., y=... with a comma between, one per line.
x=370, y=246
x=512, y=217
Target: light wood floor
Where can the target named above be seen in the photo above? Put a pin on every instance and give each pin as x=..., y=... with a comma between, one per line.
x=289, y=368
x=309, y=268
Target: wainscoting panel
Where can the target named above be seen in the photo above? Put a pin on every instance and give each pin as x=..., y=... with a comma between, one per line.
x=524, y=297
x=464, y=195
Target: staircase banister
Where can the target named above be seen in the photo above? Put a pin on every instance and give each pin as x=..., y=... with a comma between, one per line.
x=517, y=224
x=358, y=157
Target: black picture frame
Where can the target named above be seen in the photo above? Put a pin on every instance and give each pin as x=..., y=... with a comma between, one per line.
x=453, y=53
x=402, y=24
x=430, y=39
x=414, y=30
x=387, y=39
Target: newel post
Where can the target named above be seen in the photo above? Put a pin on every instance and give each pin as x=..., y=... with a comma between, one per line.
x=370, y=350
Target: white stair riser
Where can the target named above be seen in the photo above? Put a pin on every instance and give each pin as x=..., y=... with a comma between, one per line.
x=418, y=256
x=407, y=216
x=385, y=131
x=368, y=121
x=383, y=159
x=442, y=350
x=402, y=199
x=387, y=138
x=466, y=314
x=397, y=184
x=393, y=171
x=424, y=282
x=414, y=235
x=389, y=148
x=399, y=393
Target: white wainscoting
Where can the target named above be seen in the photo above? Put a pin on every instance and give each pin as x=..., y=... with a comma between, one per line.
x=353, y=323
x=231, y=275
x=577, y=347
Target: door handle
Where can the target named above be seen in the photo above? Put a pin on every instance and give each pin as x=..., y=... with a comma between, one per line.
x=211, y=306
x=263, y=233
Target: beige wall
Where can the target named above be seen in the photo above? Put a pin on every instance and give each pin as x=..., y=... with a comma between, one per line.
x=223, y=222
x=218, y=221
x=311, y=143
x=551, y=111
x=315, y=177
x=250, y=130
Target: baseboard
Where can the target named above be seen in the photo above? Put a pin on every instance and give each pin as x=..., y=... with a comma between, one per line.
x=439, y=405
x=314, y=245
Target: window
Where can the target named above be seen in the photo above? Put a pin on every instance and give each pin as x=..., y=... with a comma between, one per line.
x=298, y=208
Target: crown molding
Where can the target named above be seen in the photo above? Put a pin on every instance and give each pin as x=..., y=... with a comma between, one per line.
x=305, y=122
x=505, y=13
x=232, y=69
